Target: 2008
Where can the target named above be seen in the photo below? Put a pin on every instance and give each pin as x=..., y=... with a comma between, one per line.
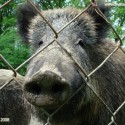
x=4, y=119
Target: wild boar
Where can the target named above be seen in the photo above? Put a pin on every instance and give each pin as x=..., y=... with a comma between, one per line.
x=13, y=109
x=52, y=76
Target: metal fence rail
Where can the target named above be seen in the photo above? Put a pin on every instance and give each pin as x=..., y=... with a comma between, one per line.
x=85, y=76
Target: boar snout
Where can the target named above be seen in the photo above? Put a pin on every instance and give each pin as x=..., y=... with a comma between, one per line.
x=46, y=89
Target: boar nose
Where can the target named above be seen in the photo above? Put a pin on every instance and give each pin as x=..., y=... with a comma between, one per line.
x=46, y=89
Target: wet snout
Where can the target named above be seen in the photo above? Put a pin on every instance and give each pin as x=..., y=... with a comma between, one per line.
x=46, y=89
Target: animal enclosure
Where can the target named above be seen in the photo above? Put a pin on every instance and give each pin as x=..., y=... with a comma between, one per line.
x=82, y=72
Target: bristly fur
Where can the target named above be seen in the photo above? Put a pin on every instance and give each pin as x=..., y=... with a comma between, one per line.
x=25, y=13
x=12, y=104
x=102, y=26
x=85, y=108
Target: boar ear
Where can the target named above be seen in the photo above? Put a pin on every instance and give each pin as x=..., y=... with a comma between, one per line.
x=25, y=13
x=102, y=27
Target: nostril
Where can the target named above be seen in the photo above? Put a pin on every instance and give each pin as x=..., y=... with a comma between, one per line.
x=38, y=89
x=33, y=88
x=56, y=88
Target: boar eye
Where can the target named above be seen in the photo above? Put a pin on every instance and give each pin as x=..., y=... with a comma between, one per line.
x=40, y=43
x=81, y=43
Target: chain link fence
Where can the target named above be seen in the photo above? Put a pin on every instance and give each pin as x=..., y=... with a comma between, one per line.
x=85, y=76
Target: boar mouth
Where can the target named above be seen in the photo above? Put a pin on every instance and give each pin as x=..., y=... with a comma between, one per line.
x=47, y=90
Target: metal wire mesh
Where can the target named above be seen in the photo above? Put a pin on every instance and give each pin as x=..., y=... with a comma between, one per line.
x=79, y=67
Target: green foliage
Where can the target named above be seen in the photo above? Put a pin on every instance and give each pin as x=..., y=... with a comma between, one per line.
x=118, y=18
x=10, y=44
x=50, y=4
x=12, y=49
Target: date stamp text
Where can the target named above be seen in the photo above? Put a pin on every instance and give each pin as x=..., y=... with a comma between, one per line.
x=4, y=119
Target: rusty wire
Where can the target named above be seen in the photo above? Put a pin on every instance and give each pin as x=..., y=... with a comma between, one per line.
x=79, y=67
x=5, y=4
x=8, y=82
x=54, y=31
x=7, y=63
